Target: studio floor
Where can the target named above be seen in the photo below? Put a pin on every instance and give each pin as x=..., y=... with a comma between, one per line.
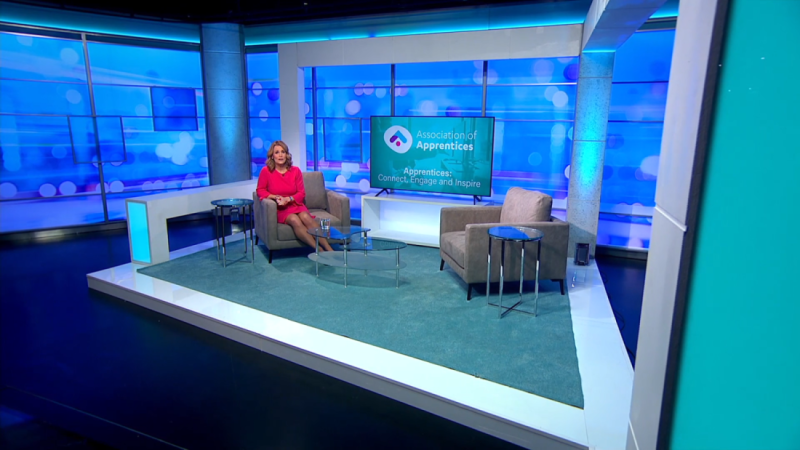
x=91, y=348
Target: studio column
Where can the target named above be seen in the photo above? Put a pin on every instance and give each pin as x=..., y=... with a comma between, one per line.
x=225, y=90
x=588, y=148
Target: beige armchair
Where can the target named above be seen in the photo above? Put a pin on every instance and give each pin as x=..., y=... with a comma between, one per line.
x=320, y=202
x=464, y=239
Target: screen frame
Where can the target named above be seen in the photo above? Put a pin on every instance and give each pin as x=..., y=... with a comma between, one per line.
x=491, y=159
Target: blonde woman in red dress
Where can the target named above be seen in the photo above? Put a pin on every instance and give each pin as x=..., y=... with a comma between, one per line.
x=283, y=183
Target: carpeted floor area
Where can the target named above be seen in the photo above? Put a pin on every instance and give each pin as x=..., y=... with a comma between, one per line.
x=427, y=318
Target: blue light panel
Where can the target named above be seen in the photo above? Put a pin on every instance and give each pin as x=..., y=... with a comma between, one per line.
x=139, y=231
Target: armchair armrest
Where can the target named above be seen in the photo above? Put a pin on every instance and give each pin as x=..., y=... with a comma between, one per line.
x=268, y=217
x=457, y=218
x=339, y=206
x=554, y=249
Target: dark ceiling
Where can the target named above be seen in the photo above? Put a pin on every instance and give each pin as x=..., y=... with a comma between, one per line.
x=251, y=12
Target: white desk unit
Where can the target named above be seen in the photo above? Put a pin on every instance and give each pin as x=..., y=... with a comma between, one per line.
x=147, y=216
x=407, y=218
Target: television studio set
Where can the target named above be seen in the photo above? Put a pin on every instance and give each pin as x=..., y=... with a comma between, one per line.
x=337, y=224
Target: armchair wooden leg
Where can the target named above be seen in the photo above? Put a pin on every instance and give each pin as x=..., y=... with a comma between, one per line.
x=256, y=239
x=561, y=282
x=441, y=265
x=270, y=256
x=469, y=292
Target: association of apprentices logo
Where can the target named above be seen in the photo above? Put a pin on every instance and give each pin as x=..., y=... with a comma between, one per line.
x=398, y=139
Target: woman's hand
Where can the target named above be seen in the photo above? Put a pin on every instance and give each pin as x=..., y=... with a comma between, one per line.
x=281, y=201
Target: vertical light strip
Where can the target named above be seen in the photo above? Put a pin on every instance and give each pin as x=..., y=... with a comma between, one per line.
x=139, y=232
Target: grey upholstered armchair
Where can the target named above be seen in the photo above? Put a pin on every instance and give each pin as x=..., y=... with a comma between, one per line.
x=320, y=202
x=464, y=239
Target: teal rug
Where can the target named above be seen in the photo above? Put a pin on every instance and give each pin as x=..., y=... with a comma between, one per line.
x=427, y=318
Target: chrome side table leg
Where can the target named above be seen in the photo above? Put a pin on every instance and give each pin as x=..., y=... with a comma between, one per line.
x=488, y=270
x=224, y=249
x=252, y=230
x=536, y=284
x=521, y=270
x=216, y=229
x=502, y=267
x=397, y=271
x=316, y=249
x=345, y=262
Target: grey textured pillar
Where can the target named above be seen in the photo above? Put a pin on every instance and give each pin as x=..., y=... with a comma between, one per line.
x=225, y=90
x=588, y=148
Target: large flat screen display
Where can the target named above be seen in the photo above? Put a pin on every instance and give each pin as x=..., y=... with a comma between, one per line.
x=433, y=154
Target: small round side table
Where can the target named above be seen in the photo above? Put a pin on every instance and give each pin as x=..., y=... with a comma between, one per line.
x=246, y=206
x=513, y=234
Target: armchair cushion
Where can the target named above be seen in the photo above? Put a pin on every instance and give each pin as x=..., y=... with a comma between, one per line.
x=523, y=206
x=316, y=197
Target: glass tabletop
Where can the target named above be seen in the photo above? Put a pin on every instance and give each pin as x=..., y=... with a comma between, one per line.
x=516, y=233
x=337, y=232
x=232, y=202
x=376, y=244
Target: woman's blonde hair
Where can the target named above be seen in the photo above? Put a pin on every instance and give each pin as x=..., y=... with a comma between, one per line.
x=271, y=151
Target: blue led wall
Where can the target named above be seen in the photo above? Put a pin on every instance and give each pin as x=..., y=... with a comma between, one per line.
x=77, y=139
x=264, y=106
x=635, y=126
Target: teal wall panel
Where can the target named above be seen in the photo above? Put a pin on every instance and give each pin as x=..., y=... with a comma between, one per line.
x=739, y=374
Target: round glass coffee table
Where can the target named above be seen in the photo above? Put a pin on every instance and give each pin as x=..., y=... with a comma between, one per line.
x=357, y=251
x=513, y=234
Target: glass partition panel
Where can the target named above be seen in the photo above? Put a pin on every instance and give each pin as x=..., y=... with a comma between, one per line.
x=438, y=101
x=533, y=71
x=440, y=74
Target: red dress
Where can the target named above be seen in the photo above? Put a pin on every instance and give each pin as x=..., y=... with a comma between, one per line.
x=283, y=184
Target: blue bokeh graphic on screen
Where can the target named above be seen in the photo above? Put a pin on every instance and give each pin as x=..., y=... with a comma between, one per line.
x=264, y=106
x=633, y=143
x=148, y=135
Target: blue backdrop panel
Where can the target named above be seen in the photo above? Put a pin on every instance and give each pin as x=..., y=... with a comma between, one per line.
x=160, y=160
x=373, y=75
x=646, y=56
x=262, y=133
x=531, y=102
x=35, y=97
x=638, y=102
x=262, y=68
x=631, y=163
x=533, y=155
x=533, y=71
x=439, y=101
x=342, y=139
x=439, y=74
x=264, y=102
x=36, y=58
x=143, y=66
x=38, y=161
x=128, y=101
x=110, y=135
x=352, y=103
x=264, y=108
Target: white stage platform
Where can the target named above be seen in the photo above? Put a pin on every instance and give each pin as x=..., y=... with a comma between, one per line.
x=516, y=416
